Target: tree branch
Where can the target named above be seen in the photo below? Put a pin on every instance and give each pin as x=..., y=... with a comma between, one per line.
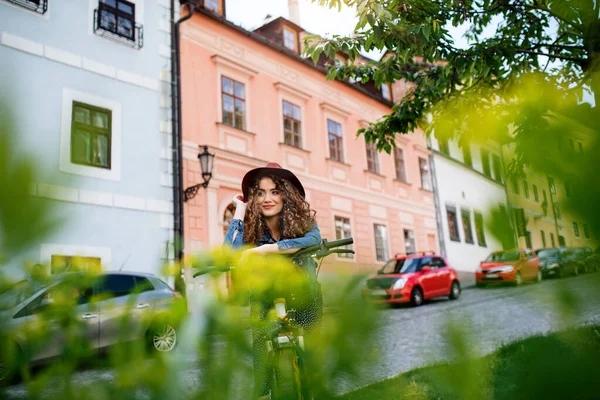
x=537, y=53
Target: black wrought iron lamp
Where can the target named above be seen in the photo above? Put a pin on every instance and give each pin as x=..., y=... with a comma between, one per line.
x=206, y=165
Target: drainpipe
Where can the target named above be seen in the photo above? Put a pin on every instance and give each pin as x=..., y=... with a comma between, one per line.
x=177, y=147
x=436, y=202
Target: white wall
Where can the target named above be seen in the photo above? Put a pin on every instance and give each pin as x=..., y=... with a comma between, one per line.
x=462, y=187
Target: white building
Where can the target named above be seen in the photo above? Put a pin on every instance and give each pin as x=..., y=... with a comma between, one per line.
x=469, y=182
x=89, y=81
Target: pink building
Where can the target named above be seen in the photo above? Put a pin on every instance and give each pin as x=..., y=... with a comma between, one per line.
x=252, y=99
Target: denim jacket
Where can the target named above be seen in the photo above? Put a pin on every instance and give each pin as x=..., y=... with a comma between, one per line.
x=235, y=234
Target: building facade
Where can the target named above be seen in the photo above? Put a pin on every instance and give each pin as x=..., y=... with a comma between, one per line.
x=251, y=98
x=89, y=84
x=469, y=184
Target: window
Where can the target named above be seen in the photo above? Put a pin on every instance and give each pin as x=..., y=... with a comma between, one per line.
x=399, y=163
x=526, y=188
x=551, y=185
x=116, y=18
x=557, y=210
x=386, y=91
x=568, y=189
x=497, y=163
x=572, y=144
x=543, y=236
x=452, y=224
x=586, y=231
x=228, y=217
x=515, y=184
x=425, y=174
x=575, y=229
x=545, y=197
x=466, y=223
x=214, y=5
x=372, y=158
x=60, y=263
x=343, y=230
x=409, y=241
x=479, y=229
x=536, y=195
x=91, y=136
x=485, y=163
x=552, y=240
x=381, y=249
x=467, y=157
x=290, y=39
x=292, y=125
x=444, y=147
x=234, y=103
x=117, y=285
x=528, y=253
x=335, y=141
x=39, y=6
x=580, y=145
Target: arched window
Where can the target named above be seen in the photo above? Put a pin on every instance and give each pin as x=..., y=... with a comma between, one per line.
x=227, y=217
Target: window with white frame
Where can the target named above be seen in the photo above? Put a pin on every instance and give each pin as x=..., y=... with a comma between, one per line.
x=400, y=164
x=425, y=174
x=233, y=95
x=409, y=241
x=336, y=148
x=466, y=223
x=386, y=91
x=381, y=242
x=90, y=136
x=452, y=218
x=292, y=124
x=372, y=158
x=343, y=230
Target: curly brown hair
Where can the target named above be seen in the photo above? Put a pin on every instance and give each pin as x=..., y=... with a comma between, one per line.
x=297, y=218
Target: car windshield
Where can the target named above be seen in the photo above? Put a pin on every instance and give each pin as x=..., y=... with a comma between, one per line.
x=17, y=293
x=513, y=255
x=548, y=253
x=402, y=266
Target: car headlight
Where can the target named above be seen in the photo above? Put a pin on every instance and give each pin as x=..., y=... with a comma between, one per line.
x=508, y=268
x=399, y=284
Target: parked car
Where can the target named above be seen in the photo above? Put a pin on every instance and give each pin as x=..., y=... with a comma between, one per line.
x=413, y=279
x=112, y=307
x=559, y=262
x=585, y=257
x=512, y=266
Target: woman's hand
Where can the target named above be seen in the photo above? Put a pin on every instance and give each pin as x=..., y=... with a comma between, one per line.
x=240, y=207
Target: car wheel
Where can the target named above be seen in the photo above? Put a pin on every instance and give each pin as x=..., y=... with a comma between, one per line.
x=163, y=339
x=416, y=297
x=561, y=273
x=518, y=279
x=539, y=277
x=576, y=270
x=454, y=290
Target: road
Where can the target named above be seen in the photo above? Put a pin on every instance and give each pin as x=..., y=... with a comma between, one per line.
x=414, y=337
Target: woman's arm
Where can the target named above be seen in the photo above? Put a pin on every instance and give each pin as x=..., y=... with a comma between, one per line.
x=286, y=246
x=235, y=232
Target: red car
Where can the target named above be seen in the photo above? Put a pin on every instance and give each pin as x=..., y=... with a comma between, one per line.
x=414, y=279
x=512, y=266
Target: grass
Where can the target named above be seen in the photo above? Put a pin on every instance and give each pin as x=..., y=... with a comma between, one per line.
x=561, y=365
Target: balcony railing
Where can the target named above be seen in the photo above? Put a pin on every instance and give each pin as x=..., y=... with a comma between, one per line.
x=38, y=6
x=109, y=24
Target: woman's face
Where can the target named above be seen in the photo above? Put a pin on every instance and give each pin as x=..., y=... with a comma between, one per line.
x=269, y=198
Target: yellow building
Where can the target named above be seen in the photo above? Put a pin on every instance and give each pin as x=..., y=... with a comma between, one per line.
x=538, y=203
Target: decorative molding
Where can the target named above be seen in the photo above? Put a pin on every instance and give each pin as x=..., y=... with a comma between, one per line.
x=77, y=61
x=292, y=91
x=225, y=62
x=334, y=109
x=95, y=198
x=22, y=44
x=130, y=202
x=62, y=56
x=60, y=193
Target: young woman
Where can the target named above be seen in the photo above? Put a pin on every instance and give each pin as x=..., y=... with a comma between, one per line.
x=273, y=216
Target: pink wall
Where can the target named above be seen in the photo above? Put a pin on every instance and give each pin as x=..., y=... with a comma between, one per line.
x=209, y=50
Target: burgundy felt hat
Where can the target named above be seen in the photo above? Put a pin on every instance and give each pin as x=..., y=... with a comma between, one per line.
x=270, y=169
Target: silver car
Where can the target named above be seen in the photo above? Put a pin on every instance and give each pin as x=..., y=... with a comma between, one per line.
x=114, y=307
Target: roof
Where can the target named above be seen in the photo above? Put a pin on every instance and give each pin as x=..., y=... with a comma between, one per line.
x=282, y=49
